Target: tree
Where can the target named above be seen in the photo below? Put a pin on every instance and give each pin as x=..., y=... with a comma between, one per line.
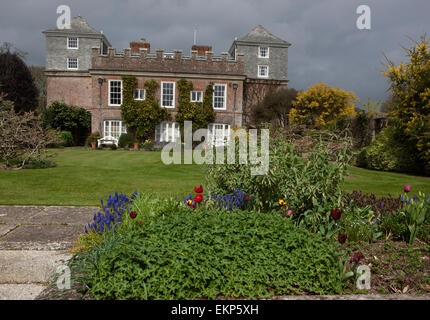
x=39, y=79
x=22, y=137
x=141, y=117
x=275, y=107
x=321, y=105
x=16, y=80
x=61, y=116
x=410, y=87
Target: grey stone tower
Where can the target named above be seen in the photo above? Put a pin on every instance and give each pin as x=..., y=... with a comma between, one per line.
x=265, y=55
x=70, y=49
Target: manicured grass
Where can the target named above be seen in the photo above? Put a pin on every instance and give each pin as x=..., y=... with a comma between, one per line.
x=84, y=176
x=383, y=183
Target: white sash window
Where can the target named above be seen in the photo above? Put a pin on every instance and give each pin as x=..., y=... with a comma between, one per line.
x=218, y=133
x=168, y=132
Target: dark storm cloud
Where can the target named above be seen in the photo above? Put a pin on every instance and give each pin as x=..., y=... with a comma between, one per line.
x=326, y=45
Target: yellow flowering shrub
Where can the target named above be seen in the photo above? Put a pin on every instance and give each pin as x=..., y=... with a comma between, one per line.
x=410, y=86
x=321, y=104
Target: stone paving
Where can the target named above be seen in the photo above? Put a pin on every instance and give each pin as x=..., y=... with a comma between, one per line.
x=34, y=241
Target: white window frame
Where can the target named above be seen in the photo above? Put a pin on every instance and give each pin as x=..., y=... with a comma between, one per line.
x=122, y=128
x=162, y=95
x=109, y=93
x=224, y=98
x=77, y=43
x=165, y=135
x=68, y=64
x=259, y=53
x=140, y=98
x=198, y=100
x=258, y=71
x=214, y=138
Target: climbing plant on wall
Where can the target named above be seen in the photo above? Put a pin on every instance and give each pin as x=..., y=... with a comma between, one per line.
x=200, y=113
x=141, y=116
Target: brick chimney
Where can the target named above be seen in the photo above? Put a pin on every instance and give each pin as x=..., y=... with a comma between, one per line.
x=136, y=45
x=201, y=50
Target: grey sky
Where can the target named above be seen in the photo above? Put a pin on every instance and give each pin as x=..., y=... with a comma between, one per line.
x=326, y=45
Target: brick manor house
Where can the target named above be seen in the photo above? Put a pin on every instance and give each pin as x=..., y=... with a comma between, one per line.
x=83, y=69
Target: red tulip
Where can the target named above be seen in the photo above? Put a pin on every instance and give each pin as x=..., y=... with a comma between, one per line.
x=246, y=197
x=198, y=189
x=357, y=256
x=341, y=238
x=407, y=188
x=336, y=213
x=198, y=198
x=133, y=214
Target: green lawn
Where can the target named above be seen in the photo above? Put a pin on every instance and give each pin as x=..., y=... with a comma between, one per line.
x=83, y=176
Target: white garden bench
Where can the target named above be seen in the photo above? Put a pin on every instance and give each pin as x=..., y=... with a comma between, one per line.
x=107, y=140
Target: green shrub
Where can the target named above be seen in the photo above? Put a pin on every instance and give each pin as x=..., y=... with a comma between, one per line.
x=390, y=152
x=126, y=140
x=61, y=116
x=300, y=182
x=66, y=139
x=113, y=146
x=182, y=254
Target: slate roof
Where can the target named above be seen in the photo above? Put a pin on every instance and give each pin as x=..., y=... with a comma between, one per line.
x=77, y=25
x=260, y=35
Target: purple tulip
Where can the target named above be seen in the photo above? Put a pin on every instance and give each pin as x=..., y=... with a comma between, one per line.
x=407, y=188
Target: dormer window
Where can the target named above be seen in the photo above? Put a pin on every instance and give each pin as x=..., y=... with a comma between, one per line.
x=263, y=52
x=72, y=43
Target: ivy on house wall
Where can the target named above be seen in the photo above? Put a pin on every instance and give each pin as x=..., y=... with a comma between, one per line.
x=141, y=116
x=200, y=113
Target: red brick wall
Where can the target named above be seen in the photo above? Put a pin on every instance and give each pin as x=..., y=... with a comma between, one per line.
x=114, y=113
x=74, y=89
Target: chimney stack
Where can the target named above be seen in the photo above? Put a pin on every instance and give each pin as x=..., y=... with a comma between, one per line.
x=135, y=46
x=201, y=50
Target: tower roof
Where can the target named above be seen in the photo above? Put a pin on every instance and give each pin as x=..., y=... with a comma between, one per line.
x=260, y=35
x=77, y=25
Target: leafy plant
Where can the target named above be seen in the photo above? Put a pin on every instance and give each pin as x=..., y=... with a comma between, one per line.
x=297, y=180
x=189, y=255
x=93, y=137
x=360, y=224
x=416, y=212
x=126, y=140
